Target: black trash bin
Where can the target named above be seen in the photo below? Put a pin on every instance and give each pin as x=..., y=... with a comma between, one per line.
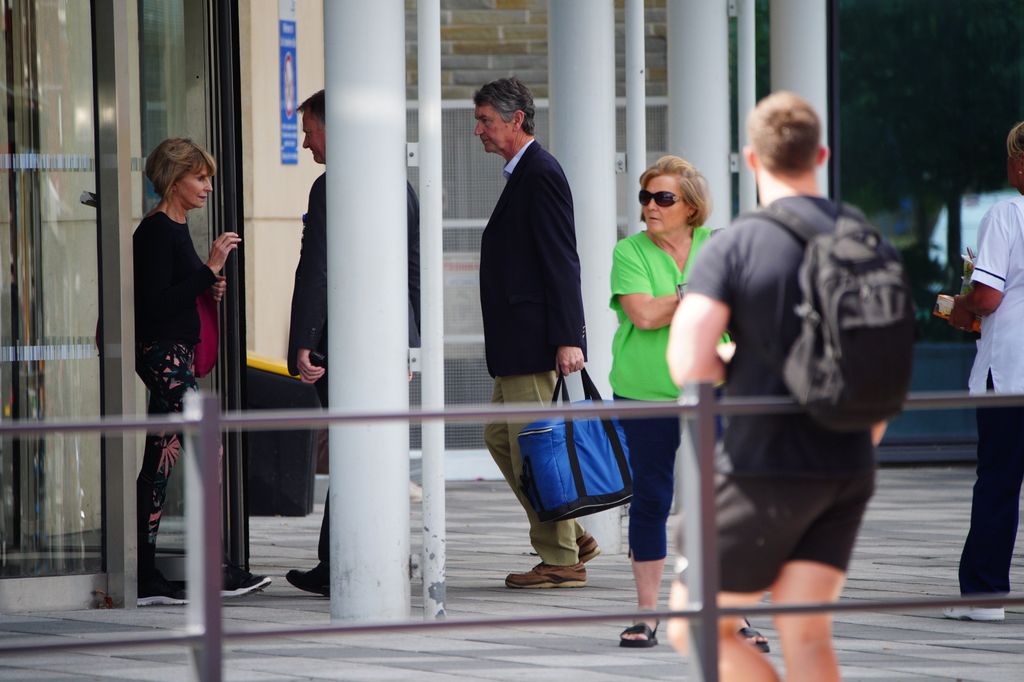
x=282, y=464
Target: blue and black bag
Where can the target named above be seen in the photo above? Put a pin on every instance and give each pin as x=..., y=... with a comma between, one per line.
x=574, y=467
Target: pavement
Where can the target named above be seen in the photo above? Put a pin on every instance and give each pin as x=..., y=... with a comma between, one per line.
x=909, y=547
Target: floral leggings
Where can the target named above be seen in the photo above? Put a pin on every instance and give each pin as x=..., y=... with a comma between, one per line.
x=166, y=369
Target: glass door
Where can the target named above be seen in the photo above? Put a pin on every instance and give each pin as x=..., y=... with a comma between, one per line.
x=52, y=496
x=181, y=94
x=50, y=486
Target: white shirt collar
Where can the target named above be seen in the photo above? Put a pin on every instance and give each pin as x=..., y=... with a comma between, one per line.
x=514, y=161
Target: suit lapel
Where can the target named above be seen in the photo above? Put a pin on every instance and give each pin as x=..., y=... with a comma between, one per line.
x=517, y=176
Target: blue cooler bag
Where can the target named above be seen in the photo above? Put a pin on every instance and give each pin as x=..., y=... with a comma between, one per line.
x=574, y=467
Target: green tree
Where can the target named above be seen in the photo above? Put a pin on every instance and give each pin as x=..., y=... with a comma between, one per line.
x=928, y=91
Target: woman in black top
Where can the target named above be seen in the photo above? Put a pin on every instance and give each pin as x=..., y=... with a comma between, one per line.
x=168, y=277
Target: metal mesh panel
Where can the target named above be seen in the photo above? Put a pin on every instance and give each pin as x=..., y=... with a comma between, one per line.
x=472, y=183
x=626, y=184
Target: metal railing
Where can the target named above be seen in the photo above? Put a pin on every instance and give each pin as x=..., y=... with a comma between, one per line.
x=203, y=422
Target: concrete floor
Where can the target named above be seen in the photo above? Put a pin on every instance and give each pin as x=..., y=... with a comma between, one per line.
x=908, y=548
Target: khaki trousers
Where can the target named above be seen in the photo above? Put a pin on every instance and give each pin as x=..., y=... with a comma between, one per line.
x=555, y=541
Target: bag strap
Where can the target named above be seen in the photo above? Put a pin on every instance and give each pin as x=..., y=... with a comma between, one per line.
x=621, y=461
x=560, y=387
x=574, y=458
x=793, y=223
x=620, y=453
x=590, y=391
x=804, y=233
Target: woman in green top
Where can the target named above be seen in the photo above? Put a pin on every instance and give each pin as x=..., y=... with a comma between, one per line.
x=648, y=269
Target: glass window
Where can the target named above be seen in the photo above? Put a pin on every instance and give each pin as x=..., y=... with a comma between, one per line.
x=50, y=487
x=928, y=91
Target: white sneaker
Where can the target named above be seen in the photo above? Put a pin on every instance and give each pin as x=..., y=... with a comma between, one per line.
x=988, y=615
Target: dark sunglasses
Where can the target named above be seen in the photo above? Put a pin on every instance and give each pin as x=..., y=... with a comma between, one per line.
x=663, y=199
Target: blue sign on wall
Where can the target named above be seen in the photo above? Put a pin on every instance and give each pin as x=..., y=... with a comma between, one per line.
x=289, y=103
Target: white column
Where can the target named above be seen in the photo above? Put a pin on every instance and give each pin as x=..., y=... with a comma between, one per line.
x=367, y=306
x=636, y=106
x=698, y=95
x=432, y=306
x=582, y=118
x=799, y=57
x=203, y=543
x=746, y=86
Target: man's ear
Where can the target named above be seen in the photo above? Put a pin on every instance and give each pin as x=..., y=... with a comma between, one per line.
x=750, y=157
x=518, y=118
x=822, y=156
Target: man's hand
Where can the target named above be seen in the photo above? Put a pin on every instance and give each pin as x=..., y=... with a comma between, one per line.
x=307, y=372
x=569, y=359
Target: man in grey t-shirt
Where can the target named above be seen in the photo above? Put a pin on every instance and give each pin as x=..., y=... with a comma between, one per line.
x=789, y=494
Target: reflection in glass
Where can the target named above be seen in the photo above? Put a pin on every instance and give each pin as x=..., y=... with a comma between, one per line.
x=50, y=487
x=927, y=93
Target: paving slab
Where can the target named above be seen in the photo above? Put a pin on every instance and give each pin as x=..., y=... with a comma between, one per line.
x=909, y=547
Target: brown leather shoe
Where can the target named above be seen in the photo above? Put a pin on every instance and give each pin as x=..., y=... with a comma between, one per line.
x=544, y=575
x=588, y=547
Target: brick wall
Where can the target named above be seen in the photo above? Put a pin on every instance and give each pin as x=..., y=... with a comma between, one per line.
x=486, y=39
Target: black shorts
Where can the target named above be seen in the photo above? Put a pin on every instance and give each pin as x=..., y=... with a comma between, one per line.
x=765, y=522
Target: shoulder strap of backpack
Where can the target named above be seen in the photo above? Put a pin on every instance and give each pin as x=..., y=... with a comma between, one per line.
x=851, y=219
x=803, y=232
x=793, y=223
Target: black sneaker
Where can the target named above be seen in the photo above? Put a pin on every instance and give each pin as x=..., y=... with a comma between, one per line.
x=155, y=589
x=316, y=580
x=238, y=581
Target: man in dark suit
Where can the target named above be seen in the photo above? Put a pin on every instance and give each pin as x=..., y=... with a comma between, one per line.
x=308, y=330
x=532, y=308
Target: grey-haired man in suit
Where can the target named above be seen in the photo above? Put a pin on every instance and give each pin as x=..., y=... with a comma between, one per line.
x=532, y=308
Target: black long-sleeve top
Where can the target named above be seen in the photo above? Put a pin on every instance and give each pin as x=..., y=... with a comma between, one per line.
x=168, y=277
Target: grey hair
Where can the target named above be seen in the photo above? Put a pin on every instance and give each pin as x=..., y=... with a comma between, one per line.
x=507, y=96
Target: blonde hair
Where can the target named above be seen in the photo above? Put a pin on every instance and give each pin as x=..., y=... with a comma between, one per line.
x=785, y=133
x=173, y=158
x=1015, y=141
x=693, y=188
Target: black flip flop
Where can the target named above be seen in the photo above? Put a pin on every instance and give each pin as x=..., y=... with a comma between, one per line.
x=639, y=629
x=751, y=635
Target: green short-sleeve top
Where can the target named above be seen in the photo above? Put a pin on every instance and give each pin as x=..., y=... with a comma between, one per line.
x=639, y=266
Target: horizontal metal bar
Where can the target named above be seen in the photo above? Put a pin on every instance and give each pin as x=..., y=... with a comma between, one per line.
x=184, y=638
x=138, y=641
x=295, y=419
x=111, y=424
x=307, y=418
x=275, y=420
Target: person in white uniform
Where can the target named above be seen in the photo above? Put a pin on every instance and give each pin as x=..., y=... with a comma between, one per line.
x=997, y=297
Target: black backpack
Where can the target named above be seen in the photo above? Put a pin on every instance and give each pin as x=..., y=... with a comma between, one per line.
x=850, y=365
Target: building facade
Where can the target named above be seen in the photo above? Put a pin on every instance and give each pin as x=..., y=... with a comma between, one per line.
x=91, y=87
